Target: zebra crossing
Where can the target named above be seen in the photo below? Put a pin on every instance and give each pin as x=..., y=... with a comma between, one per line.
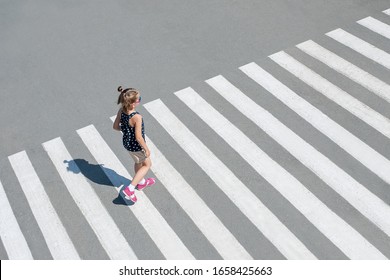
x=208, y=229
x=56, y=237
x=219, y=173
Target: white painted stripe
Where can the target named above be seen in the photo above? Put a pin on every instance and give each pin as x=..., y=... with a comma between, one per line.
x=11, y=235
x=155, y=225
x=204, y=218
x=346, y=68
x=87, y=200
x=239, y=194
x=376, y=26
x=342, y=98
x=333, y=227
x=379, y=56
x=387, y=12
x=54, y=232
x=357, y=195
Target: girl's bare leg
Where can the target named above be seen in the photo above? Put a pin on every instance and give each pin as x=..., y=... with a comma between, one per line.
x=141, y=172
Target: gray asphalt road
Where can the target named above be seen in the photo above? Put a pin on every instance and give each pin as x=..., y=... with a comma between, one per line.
x=62, y=61
x=62, y=64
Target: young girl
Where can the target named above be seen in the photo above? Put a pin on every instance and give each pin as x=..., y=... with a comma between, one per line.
x=131, y=124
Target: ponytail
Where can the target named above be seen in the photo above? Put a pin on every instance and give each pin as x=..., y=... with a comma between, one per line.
x=120, y=89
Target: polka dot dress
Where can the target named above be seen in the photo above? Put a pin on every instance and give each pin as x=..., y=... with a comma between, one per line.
x=129, y=141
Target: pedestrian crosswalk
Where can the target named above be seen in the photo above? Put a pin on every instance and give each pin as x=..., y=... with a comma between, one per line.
x=225, y=179
x=369, y=204
x=90, y=205
x=57, y=239
x=365, y=205
x=297, y=194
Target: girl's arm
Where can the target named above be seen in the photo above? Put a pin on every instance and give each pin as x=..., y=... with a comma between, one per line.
x=138, y=134
x=117, y=121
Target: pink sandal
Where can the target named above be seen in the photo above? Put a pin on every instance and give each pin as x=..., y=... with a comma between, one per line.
x=129, y=195
x=148, y=182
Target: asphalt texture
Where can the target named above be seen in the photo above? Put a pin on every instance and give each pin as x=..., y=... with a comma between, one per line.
x=62, y=61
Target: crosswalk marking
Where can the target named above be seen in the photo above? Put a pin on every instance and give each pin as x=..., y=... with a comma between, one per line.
x=387, y=12
x=342, y=98
x=11, y=235
x=245, y=200
x=155, y=225
x=376, y=26
x=87, y=200
x=332, y=226
x=379, y=56
x=346, y=68
x=56, y=237
x=357, y=195
x=346, y=140
x=207, y=222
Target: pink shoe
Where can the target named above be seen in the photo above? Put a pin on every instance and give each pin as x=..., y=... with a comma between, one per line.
x=148, y=182
x=129, y=195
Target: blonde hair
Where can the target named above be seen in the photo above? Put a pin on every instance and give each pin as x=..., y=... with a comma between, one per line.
x=127, y=98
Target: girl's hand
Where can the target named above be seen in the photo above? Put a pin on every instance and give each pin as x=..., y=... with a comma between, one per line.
x=147, y=153
x=116, y=124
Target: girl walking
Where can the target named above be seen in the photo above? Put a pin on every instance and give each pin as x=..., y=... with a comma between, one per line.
x=130, y=122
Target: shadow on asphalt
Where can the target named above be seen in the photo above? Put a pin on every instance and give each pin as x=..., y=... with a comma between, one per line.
x=97, y=174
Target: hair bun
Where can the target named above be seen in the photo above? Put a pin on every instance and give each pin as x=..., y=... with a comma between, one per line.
x=120, y=89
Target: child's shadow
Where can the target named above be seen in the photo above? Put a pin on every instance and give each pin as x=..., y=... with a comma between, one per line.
x=101, y=175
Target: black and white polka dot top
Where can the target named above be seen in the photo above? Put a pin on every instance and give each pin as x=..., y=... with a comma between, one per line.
x=129, y=141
